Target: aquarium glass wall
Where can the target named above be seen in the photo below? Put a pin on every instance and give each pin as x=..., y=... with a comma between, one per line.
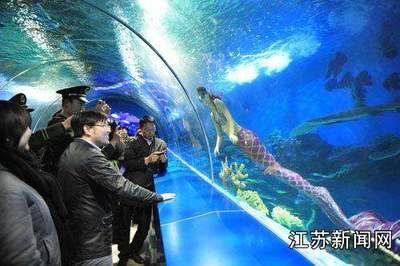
x=299, y=111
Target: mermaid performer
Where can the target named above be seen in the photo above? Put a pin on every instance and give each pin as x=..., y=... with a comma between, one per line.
x=249, y=142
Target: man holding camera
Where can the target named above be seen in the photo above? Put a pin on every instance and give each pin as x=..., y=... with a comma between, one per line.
x=145, y=156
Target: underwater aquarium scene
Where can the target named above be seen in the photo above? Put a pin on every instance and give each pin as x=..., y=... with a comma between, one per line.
x=281, y=121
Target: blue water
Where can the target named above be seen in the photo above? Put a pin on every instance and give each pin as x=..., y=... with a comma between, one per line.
x=271, y=63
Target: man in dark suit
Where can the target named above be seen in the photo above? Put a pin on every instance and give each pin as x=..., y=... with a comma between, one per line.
x=145, y=156
x=89, y=181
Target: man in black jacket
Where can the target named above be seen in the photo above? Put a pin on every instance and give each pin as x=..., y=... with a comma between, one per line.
x=89, y=180
x=144, y=156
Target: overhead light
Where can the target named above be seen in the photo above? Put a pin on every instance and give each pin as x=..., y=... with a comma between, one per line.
x=242, y=74
x=276, y=63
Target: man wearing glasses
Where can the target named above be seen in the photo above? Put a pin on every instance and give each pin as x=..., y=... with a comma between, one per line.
x=89, y=181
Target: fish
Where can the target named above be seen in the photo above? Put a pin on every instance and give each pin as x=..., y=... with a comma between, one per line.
x=387, y=40
x=391, y=151
x=346, y=81
x=357, y=200
x=300, y=199
x=363, y=79
x=331, y=84
x=336, y=64
x=392, y=82
x=352, y=114
x=281, y=192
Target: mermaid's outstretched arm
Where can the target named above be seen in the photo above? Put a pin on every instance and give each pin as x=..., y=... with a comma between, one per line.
x=219, y=135
x=230, y=127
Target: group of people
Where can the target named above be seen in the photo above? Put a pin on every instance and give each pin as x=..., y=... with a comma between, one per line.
x=59, y=186
x=62, y=193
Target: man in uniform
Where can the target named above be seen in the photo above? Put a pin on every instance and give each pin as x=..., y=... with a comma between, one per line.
x=73, y=100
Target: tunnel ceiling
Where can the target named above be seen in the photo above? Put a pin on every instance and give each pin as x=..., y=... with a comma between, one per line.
x=226, y=45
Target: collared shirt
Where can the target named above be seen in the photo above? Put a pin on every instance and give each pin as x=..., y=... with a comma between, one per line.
x=91, y=143
x=149, y=141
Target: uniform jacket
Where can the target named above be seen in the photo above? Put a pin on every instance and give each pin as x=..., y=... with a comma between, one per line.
x=27, y=232
x=89, y=180
x=56, y=139
x=57, y=144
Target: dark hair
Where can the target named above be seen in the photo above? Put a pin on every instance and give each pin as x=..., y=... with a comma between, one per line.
x=14, y=120
x=202, y=91
x=146, y=119
x=88, y=118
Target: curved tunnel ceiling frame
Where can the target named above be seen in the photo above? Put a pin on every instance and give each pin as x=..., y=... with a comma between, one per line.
x=33, y=68
x=169, y=68
x=36, y=67
x=46, y=110
x=47, y=63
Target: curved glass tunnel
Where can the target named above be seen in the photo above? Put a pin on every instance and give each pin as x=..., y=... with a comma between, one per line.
x=317, y=82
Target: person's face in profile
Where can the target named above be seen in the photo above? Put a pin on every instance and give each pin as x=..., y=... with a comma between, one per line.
x=201, y=94
x=99, y=133
x=204, y=97
x=76, y=106
x=23, y=144
x=148, y=130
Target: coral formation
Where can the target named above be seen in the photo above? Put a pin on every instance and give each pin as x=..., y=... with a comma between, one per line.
x=285, y=218
x=253, y=199
x=392, y=82
x=233, y=175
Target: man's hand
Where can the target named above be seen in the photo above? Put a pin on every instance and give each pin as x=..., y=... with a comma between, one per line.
x=233, y=138
x=163, y=158
x=216, y=151
x=120, y=136
x=168, y=196
x=162, y=155
x=67, y=122
x=152, y=158
x=273, y=169
x=103, y=107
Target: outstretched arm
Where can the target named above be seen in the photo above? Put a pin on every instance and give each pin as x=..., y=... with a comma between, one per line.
x=219, y=136
x=231, y=126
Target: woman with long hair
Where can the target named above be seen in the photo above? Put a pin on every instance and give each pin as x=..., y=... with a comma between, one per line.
x=28, y=234
x=250, y=144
